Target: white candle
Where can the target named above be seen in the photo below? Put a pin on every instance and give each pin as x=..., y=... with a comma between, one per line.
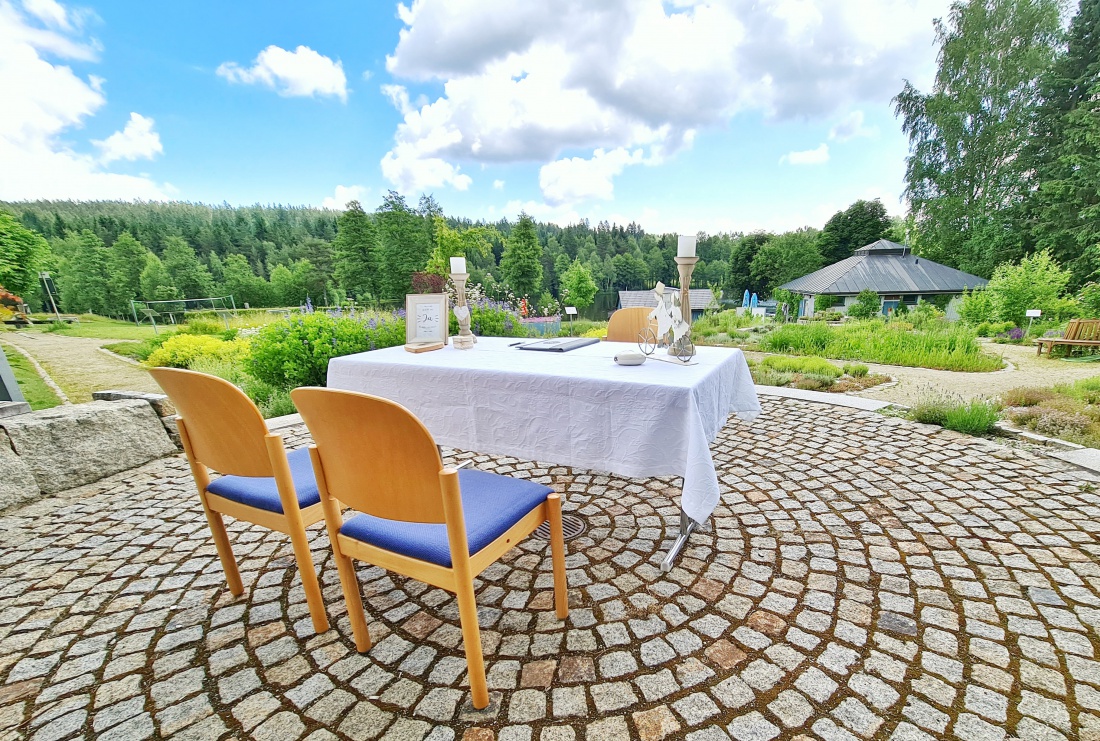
x=458, y=264
x=685, y=246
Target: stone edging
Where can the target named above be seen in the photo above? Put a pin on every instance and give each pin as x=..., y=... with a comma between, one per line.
x=41, y=372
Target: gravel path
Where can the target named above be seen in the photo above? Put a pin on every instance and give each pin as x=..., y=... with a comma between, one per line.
x=77, y=365
x=1026, y=370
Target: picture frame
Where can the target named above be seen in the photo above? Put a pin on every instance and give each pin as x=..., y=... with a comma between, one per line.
x=426, y=318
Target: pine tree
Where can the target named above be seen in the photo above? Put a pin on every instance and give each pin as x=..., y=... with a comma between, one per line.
x=22, y=254
x=84, y=277
x=405, y=247
x=125, y=262
x=1065, y=151
x=188, y=273
x=356, y=251
x=522, y=258
x=156, y=283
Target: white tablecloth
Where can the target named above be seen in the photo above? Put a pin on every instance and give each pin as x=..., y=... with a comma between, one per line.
x=576, y=408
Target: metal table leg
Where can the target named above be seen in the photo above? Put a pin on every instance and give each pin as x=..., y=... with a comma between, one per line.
x=687, y=527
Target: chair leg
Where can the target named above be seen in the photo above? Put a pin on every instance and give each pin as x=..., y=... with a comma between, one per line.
x=353, y=599
x=308, y=573
x=557, y=552
x=471, y=637
x=225, y=550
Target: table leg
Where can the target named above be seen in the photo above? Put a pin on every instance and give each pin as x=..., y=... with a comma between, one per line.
x=687, y=527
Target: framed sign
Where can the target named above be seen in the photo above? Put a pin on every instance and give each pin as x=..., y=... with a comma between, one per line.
x=425, y=318
x=1034, y=312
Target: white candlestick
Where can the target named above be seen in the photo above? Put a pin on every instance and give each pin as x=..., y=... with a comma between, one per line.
x=458, y=264
x=685, y=246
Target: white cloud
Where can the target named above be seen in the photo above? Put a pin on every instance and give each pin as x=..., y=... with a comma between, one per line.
x=577, y=179
x=49, y=12
x=561, y=215
x=851, y=127
x=343, y=194
x=302, y=72
x=524, y=82
x=818, y=156
x=498, y=185
x=136, y=141
x=44, y=102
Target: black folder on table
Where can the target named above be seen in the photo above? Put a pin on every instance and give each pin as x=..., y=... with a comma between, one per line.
x=559, y=344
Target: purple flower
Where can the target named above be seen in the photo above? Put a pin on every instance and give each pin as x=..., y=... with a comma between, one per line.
x=1016, y=334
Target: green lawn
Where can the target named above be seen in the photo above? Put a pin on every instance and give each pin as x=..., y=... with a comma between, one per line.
x=91, y=325
x=34, y=389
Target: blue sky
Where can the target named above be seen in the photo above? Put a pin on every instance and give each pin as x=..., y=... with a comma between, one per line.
x=682, y=115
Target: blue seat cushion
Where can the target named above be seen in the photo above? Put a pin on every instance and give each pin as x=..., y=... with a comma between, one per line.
x=260, y=491
x=491, y=504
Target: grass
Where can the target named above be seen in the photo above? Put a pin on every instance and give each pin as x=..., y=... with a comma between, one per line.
x=812, y=374
x=91, y=325
x=944, y=347
x=34, y=389
x=975, y=417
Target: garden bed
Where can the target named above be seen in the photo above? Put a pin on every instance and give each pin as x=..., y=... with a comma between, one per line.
x=813, y=374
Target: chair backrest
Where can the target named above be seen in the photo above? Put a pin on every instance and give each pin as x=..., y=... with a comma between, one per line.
x=225, y=429
x=1088, y=329
x=1072, y=329
x=377, y=457
x=626, y=324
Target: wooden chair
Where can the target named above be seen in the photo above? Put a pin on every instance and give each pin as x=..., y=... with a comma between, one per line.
x=626, y=324
x=222, y=429
x=438, y=525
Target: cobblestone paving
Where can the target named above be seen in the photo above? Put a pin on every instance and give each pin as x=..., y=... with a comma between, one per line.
x=864, y=578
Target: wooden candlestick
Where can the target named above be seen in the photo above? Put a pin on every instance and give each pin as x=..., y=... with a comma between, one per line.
x=465, y=339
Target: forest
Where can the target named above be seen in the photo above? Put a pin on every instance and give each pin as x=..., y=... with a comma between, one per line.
x=1004, y=163
x=103, y=254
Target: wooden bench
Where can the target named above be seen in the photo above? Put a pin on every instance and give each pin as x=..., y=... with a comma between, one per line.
x=1079, y=333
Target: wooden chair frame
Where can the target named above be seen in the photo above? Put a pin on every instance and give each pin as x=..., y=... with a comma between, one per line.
x=316, y=404
x=239, y=442
x=625, y=325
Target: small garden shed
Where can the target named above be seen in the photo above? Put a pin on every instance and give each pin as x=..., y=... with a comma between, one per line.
x=701, y=298
x=891, y=271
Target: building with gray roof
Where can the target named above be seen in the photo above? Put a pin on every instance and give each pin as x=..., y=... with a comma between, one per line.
x=891, y=271
x=701, y=298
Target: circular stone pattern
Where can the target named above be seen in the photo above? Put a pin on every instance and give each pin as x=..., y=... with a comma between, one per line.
x=864, y=577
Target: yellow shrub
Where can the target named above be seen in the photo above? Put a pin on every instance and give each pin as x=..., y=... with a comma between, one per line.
x=184, y=349
x=600, y=332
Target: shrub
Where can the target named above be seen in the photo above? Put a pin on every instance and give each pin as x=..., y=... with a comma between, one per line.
x=931, y=411
x=492, y=319
x=272, y=402
x=867, y=305
x=856, y=370
x=925, y=315
x=770, y=377
x=1052, y=422
x=296, y=352
x=805, y=365
x=182, y=350
x=1026, y=397
x=977, y=417
x=812, y=382
x=202, y=326
x=976, y=307
x=992, y=329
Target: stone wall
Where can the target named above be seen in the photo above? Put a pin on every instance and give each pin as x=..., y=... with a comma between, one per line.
x=52, y=450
